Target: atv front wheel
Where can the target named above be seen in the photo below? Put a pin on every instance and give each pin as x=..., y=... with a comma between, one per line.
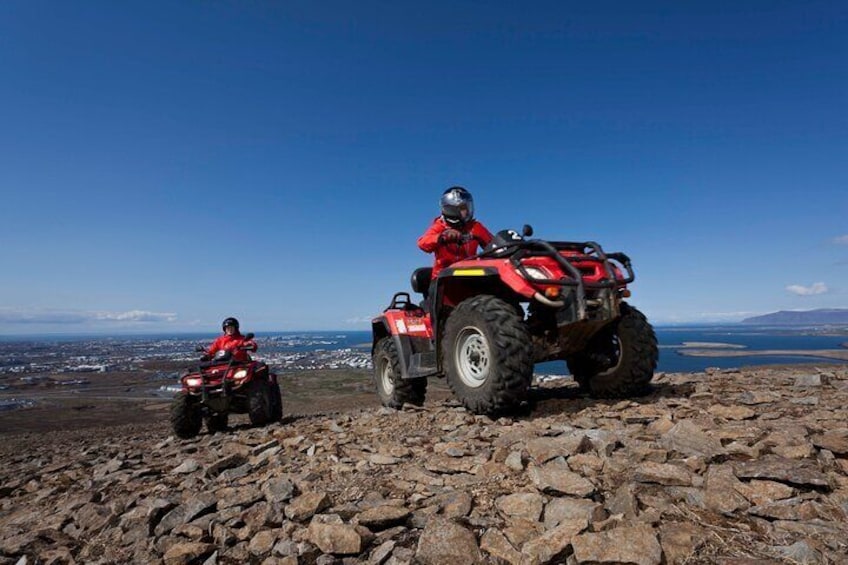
x=620, y=360
x=259, y=402
x=392, y=389
x=487, y=354
x=186, y=419
x=276, y=403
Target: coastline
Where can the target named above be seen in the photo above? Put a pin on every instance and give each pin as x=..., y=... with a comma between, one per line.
x=837, y=354
x=717, y=349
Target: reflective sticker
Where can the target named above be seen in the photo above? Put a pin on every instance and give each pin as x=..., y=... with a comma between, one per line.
x=401, y=327
x=418, y=328
x=469, y=272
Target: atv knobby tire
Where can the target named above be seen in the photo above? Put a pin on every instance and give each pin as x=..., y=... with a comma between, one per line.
x=186, y=419
x=392, y=388
x=487, y=355
x=620, y=360
x=260, y=405
x=276, y=403
x=217, y=422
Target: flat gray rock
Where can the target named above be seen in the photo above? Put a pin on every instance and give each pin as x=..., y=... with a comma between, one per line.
x=790, y=471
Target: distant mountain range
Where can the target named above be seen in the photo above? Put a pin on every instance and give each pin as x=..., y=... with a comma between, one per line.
x=822, y=316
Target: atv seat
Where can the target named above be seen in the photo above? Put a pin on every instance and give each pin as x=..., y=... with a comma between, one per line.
x=421, y=280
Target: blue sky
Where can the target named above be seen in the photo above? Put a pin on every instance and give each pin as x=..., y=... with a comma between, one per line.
x=166, y=164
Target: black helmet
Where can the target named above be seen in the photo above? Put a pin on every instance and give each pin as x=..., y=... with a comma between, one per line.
x=229, y=322
x=457, y=206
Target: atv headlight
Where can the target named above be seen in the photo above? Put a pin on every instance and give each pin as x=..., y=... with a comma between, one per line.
x=240, y=374
x=194, y=381
x=537, y=273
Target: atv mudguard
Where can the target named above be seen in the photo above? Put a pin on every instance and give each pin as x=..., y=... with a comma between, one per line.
x=409, y=327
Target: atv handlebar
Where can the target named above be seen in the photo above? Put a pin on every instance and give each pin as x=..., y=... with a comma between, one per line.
x=468, y=237
x=247, y=345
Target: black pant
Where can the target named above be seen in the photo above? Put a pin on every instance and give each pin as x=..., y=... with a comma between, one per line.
x=430, y=305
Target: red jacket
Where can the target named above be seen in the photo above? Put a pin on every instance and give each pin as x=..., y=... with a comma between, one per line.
x=449, y=253
x=232, y=343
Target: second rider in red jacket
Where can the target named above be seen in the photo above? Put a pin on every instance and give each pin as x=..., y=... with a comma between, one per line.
x=232, y=341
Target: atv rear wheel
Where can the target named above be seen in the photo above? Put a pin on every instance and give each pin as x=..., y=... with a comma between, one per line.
x=620, y=360
x=217, y=422
x=487, y=355
x=259, y=402
x=392, y=388
x=186, y=419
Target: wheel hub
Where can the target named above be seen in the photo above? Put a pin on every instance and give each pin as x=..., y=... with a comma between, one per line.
x=387, y=377
x=473, y=357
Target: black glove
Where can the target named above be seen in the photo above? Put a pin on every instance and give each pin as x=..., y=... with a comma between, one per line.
x=205, y=357
x=450, y=235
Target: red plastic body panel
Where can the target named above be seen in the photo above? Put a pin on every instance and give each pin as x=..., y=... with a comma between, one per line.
x=414, y=323
x=216, y=374
x=591, y=269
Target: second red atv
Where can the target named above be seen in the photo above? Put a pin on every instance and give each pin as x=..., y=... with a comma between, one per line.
x=521, y=301
x=223, y=385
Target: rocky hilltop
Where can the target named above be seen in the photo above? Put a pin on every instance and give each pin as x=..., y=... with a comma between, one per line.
x=735, y=467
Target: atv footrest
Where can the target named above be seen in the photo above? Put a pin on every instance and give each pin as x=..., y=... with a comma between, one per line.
x=422, y=365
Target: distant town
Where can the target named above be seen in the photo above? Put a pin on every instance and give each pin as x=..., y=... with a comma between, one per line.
x=30, y=360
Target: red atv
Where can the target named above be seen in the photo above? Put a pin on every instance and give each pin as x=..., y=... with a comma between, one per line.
x=521, y=301
x=223, y=385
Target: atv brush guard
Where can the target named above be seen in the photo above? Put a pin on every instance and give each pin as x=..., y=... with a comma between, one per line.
x=579, y=254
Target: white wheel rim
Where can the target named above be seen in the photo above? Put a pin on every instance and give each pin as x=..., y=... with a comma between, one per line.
x=387, y=377
x=473, y=357
x=616, y=341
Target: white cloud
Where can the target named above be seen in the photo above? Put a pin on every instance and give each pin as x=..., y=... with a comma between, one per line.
x=74, y=317
x=841, y=240
x=815, y=288
x=136, y=316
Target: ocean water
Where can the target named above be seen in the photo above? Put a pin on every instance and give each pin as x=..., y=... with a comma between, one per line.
x=672, y=341
x=751, y=338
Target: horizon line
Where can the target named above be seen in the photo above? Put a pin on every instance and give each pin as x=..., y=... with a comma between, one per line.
x=177, y=333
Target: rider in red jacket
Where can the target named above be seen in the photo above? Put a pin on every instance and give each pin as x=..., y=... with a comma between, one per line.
x=455, y=234
x=232, y=341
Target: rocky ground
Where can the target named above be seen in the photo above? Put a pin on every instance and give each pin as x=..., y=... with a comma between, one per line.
x=734, y=467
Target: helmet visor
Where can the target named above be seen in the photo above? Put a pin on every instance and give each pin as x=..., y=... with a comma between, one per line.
x=461, y=212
